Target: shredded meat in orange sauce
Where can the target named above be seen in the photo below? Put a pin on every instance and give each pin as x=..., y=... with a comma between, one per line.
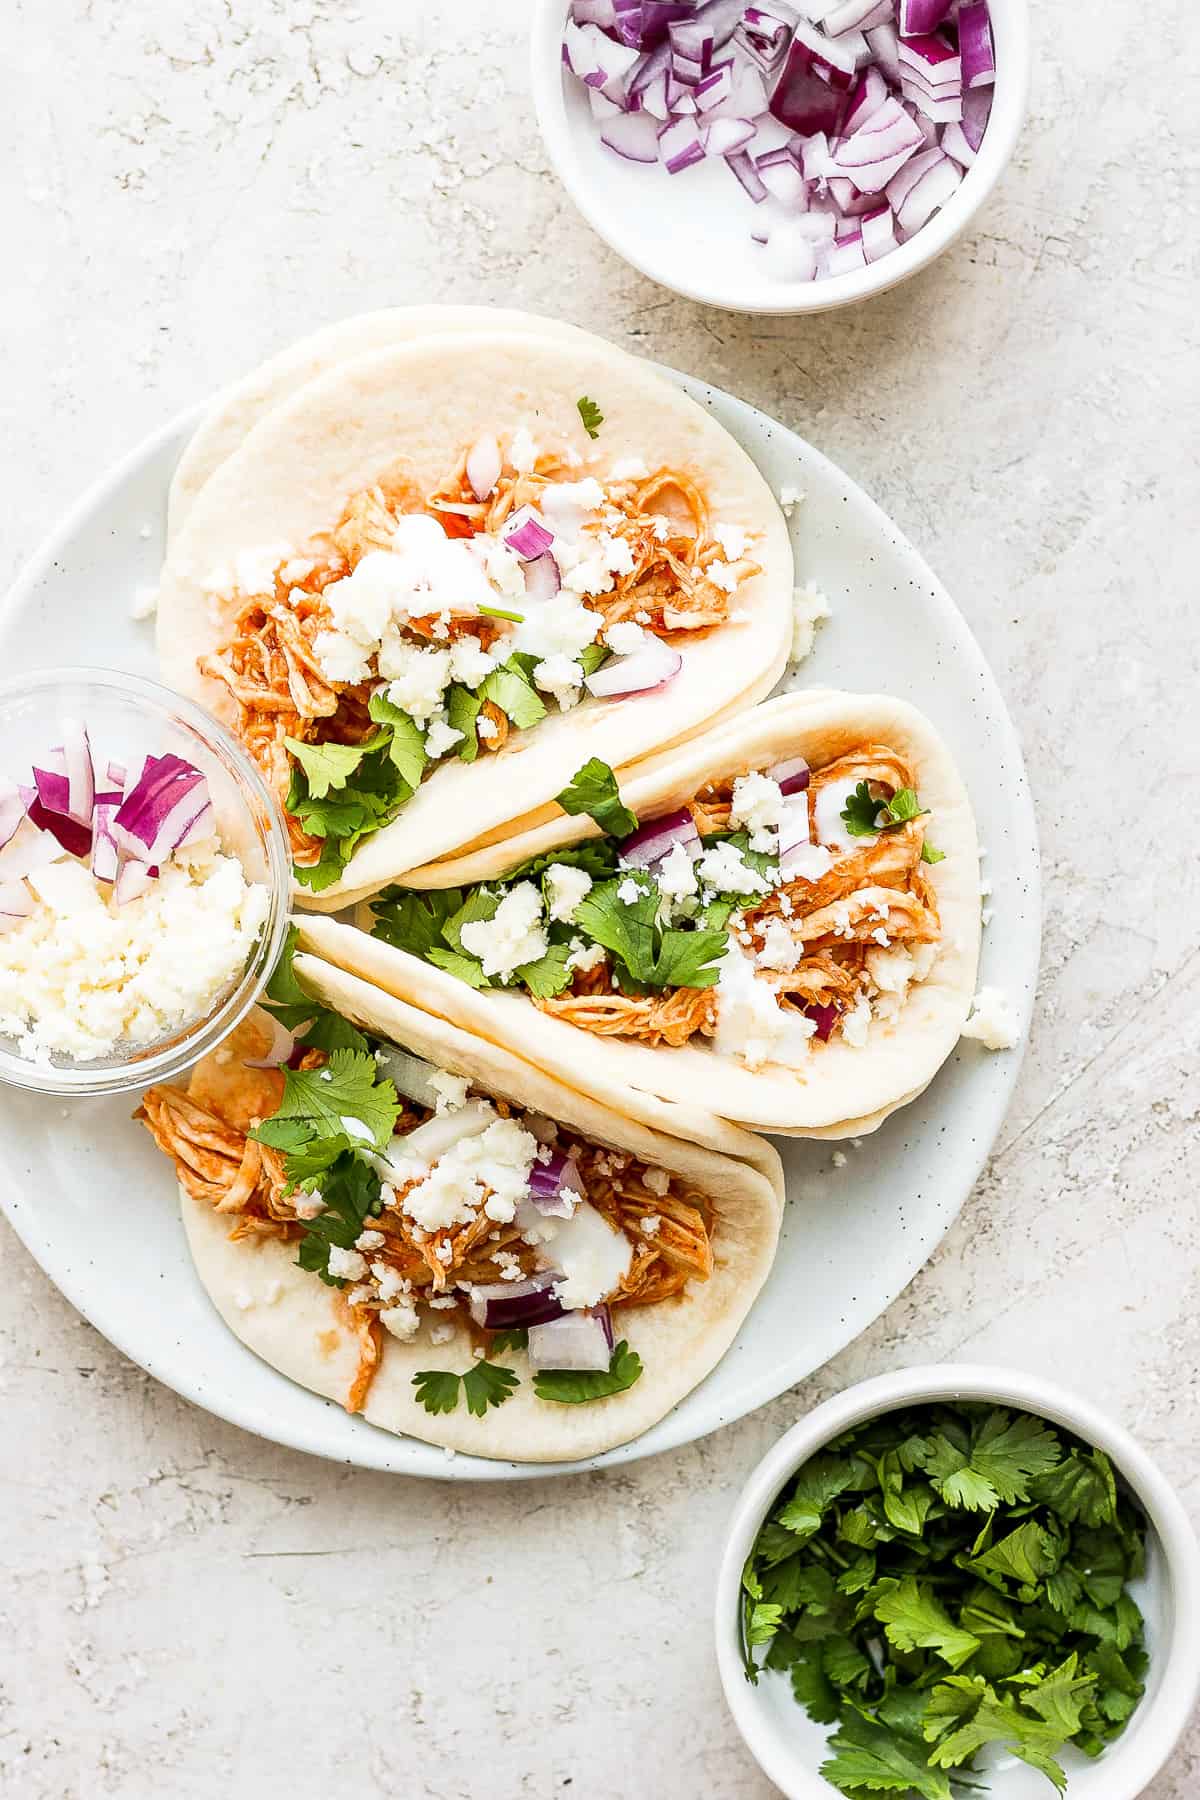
x=220, y=1165
x=880, y=888
x=268, y=663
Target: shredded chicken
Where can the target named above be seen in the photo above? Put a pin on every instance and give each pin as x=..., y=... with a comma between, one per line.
x=878, y=895
x=220, y=1165
x=268, y=663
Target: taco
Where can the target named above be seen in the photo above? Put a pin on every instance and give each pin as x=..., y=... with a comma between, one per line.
x=778, y=922
x=439, y=577
x=236, y=411
x=414, y=1223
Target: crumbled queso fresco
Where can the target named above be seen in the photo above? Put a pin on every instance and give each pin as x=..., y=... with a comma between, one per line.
x=82, y=976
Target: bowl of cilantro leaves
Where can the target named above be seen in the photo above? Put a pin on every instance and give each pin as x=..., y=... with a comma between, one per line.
x=959, y=1580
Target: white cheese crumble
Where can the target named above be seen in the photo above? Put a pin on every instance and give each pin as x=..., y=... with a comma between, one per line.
x=566, y=887
x=417, y=678
x=790, y=498
x=441, y=736
x=724, y=869
x=514, y=937
x=657, y=1180
x=856, y=1023
x=733, y=539
x=522, y=451
x=401, y=1321
x=780, y=949
x=451, y=1090
x=145, y=603
x=758, y=804
x=586, y=956
x=346, y=1265
x=750, y=1023
x=992, y=1022
x=81, y=976
x=591, y=1256
x=561, y=676
x=676, y=874
x=625, y=637
x=453, y=1191
x=810, y=607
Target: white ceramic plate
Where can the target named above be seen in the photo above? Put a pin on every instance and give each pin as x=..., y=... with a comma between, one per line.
x=95, y=1203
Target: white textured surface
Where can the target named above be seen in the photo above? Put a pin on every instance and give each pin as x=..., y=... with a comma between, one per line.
x=190, y=1613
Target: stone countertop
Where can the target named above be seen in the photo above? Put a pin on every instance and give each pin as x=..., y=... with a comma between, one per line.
x=192, y=1613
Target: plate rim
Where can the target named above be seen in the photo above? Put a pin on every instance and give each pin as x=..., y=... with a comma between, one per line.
x=187, y=1382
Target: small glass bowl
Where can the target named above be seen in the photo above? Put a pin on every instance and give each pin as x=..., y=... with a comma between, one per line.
x=127, y=719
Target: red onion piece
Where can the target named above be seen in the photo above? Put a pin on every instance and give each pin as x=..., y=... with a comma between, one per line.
x=81, y=771
x=782, y=174
x=160, y=809
x=763, y=35
x=596, y=58
x=856, y=15
x=28, y=850
x=651, y=842
x=542, y=577
x=409, y=1074
x=724, y=137
x=870, y=94
x=105, y=855
x=742, y=165
x=801, y=98
x=555, y=1185
x=484, y=464
x=975, y=45
x=714, y=88
x=878, y=234
x=74, y=838
x=594, y=12
x=931, y=58
x=918, y=16
x=577, y=1341
x=884, y=41
x=510, y=1305
x=825, y=1017
x=640, y=672
x=116, y=774
x=133, y=880
x=526, y=535
x=932, y=190
x=977, y=109
x=16, y=901
x=632, y=135
x=792, y=775
x=283, y=1042
x=954, y=143
x=679, y=145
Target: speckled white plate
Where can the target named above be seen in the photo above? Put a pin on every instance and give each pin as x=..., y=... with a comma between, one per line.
x=95, y=1203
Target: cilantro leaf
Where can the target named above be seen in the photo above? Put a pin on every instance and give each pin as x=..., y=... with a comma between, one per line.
x=763, y=1622
x=597, y=859
x=517, y=1339
x=1003, y=1453
x=915, y=1619
x=320, y=1100
x=861, y=811
x=487, y=1384
x=818, y=1484
x=593, y=790
x=343, y=817
x=574, y=1388
x=1081, y=1487
x=874, y=1757
x=1024, y=1556
x=316, y=1026
x=437, y=1389
x=653, y=956
x=462, y=714
x=512, y=690
x=459, y=964
x=592, y=657
x=412, y=920
x=930, y=855
x=326, y=765
x=549, y=975
x=591, y=415
x=812, y=1686
x=350, y=1192
x=903, y=806
x=406, y=743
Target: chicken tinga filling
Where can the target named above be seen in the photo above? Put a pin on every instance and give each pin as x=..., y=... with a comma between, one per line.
x=423, y=626
x=775, y=910
x=428, y=1203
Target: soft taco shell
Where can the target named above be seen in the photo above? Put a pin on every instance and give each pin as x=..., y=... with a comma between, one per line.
x=295, y=1323
x=839, y=1090
x=422, y=402
x=235, y=413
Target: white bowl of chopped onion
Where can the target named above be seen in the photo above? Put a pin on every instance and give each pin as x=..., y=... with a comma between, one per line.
x=145, y=881
x=781, y=157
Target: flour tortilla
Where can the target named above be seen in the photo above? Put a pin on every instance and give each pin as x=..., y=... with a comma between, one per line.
x=298, y=1325
x=235, y=412
x=423, y=401
x=838, y=1091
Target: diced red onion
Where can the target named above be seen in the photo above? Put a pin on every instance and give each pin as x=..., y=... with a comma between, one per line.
x=651, y=842
x=160, y=809
x=803, y=861
x=577, y=1341
x=81, y=771
x=105, y=855
x=133, y=879
x=679, y=145
x=792, y=775
x=723, y=137
x=283, y=1042
x=484, y=463
x=526, y=535
x=824, y=1017
x=542, y=577
x=640, y=672
x=977, y=109
x=555, y=1185
x=919, y=16
x=976, y=46
x=864, y=94
x=16, y=901
x=426, y=1142
x=632, y=135
x=742, y=165
x=28, y=850
x=511, y=1305
x=74, y=838
x=115, y=772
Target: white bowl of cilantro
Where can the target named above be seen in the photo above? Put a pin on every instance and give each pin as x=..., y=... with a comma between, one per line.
x=959, y=1580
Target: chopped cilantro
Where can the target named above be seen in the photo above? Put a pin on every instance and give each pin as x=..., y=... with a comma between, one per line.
x=930, y=855
x=462, y=714
x=406, y=743
x=575, y=1387
x=412, y=920
x=653, y=956
x=498, y=612
x=864, y=816
x=350, y=1190
x=591, y=415
x=511, y=688
x=326, y=766
x=517, y=1339
x=321, y=1113
x=593, y=790
x=484, y=1384
x=943, y=1580
x=316, y=1026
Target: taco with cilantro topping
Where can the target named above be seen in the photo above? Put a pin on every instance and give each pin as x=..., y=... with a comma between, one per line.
x=415, y=1223
x=778, y=922
x=438, y=575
